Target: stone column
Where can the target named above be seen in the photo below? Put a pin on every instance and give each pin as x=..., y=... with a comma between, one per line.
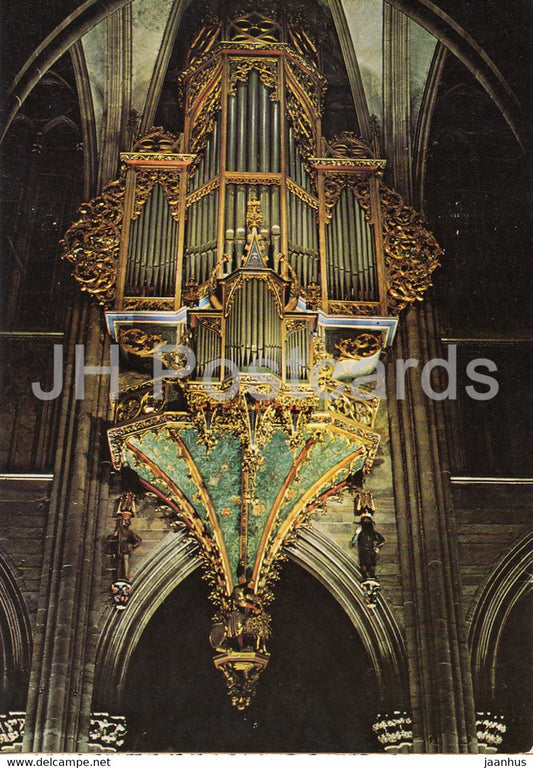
x=60, y=690
x=440, y=680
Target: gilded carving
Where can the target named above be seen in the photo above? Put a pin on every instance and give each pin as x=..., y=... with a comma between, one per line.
x=272, y=286
x=303, y=129
x=363, y=345
x=311, y=201
x=139, y=342
x=144, y=305
x=92, y=243
x=158, y=140
x=313, y=87
x=411, y=251
x=204, y=119
x=144, y=184
x=267, y=69
x=364, y=309
x=202, y=191
x=347, y=144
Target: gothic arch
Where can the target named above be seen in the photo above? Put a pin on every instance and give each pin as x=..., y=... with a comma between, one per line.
x=509, y=581
x=15, y=638
x=176, y=558
x=435, y=21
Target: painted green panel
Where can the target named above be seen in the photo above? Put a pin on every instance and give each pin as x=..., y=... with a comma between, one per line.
x=221, y=472
x=278, y=463
x=166, y=454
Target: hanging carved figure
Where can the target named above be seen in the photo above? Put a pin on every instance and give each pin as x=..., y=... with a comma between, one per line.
x=369, y=542
x=120, y=544
x=245, y=626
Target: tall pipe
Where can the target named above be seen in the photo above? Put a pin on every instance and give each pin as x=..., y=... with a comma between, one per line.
x=232, y=133
x=264, y=111
x=242, y=134
x=253, y=121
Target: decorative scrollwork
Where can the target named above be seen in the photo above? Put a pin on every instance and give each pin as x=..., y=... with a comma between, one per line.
x=347, y=144
x=363, y=345
x=139, y=342
x=267, y=69
x=311, y=201
x=364, y=309
x=142, y=304
x=304, y=132
x=92, y=243
x=145, y=181
x=313, y=87
x=158, y=140
x=202, y=191
x=411, y=251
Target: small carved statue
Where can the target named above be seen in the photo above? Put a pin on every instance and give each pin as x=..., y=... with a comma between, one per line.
x=123, y=540
x=245, y=626
x=369, y=542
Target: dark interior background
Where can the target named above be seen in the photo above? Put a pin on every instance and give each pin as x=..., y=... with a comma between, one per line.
x=317, y=694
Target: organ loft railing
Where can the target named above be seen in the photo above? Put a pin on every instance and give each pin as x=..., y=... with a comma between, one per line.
x=269, y=252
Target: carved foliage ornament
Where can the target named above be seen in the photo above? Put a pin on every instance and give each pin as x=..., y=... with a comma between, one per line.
x=92, y=243
x=411, y=251
x=145, y=181
x=241, y=66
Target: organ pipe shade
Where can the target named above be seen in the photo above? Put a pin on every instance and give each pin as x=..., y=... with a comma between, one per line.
x=352, y=273
x=152, y=249
x=247, y=340
x=208, y=348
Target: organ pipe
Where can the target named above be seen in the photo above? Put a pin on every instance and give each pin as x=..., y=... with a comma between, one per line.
x=152, y=245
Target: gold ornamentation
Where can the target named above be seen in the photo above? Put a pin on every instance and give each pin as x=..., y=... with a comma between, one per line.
x=272, y=286
x=303, y=129
x=313, y=296
x=145, y=180
x=312, y=86
x=92, y=243
x=254, y=216
x=203, y=120
x=241, y=670
x=267, y=69
x=213, y=323
x=300, y=39
x=347, y=144
x=295, y=325
x=363, y=411
x=363, y=345
x=411, y=251
x=311, y=201
x=266, y=179
x=157, y=140
x=143, y=305
x=206, y=38
x=347, y=163
x=254, y=26
x=138, y=158
x=202, y=191
x=364, y=309
x=191, y=292
x=139, y=342
x=200, y=81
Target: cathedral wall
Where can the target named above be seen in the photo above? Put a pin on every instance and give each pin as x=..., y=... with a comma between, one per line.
x=23, y=515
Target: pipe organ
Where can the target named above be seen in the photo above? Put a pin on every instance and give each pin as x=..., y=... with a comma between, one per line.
x=282, y=260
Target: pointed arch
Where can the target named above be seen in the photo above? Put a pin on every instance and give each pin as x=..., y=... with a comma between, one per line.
x=177, y=557
x=15, y=639
x=509, y=581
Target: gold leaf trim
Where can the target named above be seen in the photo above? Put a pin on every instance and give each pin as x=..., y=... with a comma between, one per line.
x=92, y=244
